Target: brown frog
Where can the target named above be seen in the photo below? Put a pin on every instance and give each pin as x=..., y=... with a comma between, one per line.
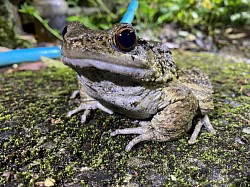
x=119, y=72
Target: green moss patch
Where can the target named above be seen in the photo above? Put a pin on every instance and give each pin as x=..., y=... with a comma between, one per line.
x=39, y=142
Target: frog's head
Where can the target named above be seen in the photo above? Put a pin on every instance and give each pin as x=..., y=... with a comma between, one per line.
x=117, y=50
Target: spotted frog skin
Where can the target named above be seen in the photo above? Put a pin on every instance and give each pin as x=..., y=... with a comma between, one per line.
x=119, y=72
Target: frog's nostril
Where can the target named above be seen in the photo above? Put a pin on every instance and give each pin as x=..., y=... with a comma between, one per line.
x=64, y=31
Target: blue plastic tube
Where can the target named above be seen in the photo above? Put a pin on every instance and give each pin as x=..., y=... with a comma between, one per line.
x=130, y=13
x=34, y=54
x=28, y=55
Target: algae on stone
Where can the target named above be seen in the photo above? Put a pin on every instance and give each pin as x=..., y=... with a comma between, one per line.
x=39, y=142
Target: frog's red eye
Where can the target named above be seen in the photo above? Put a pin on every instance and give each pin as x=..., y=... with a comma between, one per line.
x=125, y=39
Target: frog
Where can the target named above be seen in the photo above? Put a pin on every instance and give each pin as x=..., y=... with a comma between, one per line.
x=119, y=72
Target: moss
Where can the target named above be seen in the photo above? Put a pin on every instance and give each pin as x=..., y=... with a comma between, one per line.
x=38, y=141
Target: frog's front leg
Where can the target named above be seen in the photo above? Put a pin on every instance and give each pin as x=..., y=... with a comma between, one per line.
x=87, y=104
x=171, y=122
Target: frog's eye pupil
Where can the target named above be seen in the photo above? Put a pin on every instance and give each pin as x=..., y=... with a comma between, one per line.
x=64, y=31
x=125, y=39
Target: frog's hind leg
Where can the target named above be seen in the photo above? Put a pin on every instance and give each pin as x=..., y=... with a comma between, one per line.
x=203, y=122
x=171, y=122
x=145, y=131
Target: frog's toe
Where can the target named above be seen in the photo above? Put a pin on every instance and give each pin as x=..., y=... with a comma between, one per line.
x=203, y=122
x=74, y=94
x=145, y=134
x=207, y=124
x=84, y=116
x=195, y=134
x=80, y=108
x=140, y=138
x=136, y=130
x=87, y=107
x=145, y=131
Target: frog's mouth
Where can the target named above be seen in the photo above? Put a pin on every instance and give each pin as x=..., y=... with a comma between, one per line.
x=80, y=65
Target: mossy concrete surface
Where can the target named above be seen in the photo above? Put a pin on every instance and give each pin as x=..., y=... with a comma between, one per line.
x=41, y=146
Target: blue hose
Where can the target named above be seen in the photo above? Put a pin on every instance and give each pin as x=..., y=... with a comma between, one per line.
x=129, y=15
x=34, y=54
x=28, y=55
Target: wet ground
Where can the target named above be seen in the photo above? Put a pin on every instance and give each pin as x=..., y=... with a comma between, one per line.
x=40, y=146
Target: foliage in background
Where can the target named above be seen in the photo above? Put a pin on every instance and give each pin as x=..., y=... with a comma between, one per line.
x=205, y=15
x=108, y=13
x=28, y=9
x=190, y=14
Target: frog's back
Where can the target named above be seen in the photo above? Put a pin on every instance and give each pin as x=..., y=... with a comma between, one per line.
x=200, y=85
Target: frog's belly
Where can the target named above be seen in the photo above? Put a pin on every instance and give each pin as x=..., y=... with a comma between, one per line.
x=133, y=101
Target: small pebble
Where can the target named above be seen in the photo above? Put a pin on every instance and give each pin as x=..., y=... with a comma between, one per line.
x=238, y=140
x=246, y=130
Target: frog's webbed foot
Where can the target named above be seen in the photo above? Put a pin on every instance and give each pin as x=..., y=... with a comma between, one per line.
x=203, y=122
x=145, y=131
x=172, y=122
x=87, y=106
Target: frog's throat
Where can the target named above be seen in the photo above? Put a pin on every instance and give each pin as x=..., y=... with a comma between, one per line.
x=135, y=72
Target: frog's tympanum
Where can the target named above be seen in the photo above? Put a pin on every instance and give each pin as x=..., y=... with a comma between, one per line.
x=119, y=72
